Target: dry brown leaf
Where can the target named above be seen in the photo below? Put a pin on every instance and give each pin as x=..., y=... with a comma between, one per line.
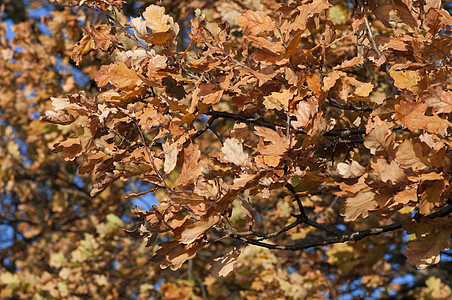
x=406, y=196
x=190, y=166
x=440, y=101
x=222, y=266
x=156, y=19
x=351, y=170
x=256, y=22
x=388, y=172
x=233, y=152
x=433, y=236
x=410, y=155
x=359, y=205
x=349, y=63
x=193, y=231
x=173, y=254
x=171, y=152
x=380, y=139
x=124, y=78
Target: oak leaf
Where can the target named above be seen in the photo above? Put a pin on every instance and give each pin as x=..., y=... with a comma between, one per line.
x=349, y=63
x=380, y=139
x=388, y=172
x=410, y=155
x=412, y=115
x=190, y=166
x=440, y=101
x=156, y=19
x=256, y=22
x=359, y=205
x=222, y=266
x=278, y=100
x=208, y=93
x=234, y=153
x=405, y=79
x=405, y=196
x=193, y=231
x=432, y=237
x=350, y=170
x=173, y=254
x=171, y=152
x=123, y=77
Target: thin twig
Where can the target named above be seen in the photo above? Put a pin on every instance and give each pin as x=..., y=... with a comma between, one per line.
x=143, y=141
x=371, y=37
x=300, y=205
x=336, y=104
x=303, y=218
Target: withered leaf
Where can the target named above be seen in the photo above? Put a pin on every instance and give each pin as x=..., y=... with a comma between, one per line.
x=380, y=139
x=359, y=205
x=223, y=265
x=388, y=172
x=171, y=152
x=190, y=166
x=350, y=170
x=193, y=231
x=123, y=77
x=405, y=196
x=432, y=237
x=208, y=93
x=440, y=101
x=256, y=22
x=234, y=153
x=173, y=254
x=156, y=19
x=410, y=155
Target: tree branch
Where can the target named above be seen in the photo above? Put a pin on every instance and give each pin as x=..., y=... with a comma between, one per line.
x=354, y=236
x=261, y=122
x=336, y=104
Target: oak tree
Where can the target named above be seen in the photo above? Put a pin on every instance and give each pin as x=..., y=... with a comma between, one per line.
x=295, y=149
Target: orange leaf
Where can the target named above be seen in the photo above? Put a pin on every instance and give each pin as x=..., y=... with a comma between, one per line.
x=123, y=77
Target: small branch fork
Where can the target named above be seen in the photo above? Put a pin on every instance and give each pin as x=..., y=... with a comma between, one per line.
x=261, y=122
x=353, y=236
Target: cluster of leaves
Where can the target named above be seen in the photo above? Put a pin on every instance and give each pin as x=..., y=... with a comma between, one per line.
x=274, y=128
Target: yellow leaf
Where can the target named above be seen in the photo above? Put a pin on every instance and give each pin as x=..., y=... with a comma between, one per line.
x=364, y=90
x=156, y=18
x=404, y=79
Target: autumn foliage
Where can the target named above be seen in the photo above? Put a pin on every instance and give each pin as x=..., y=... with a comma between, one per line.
x=296, y=150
